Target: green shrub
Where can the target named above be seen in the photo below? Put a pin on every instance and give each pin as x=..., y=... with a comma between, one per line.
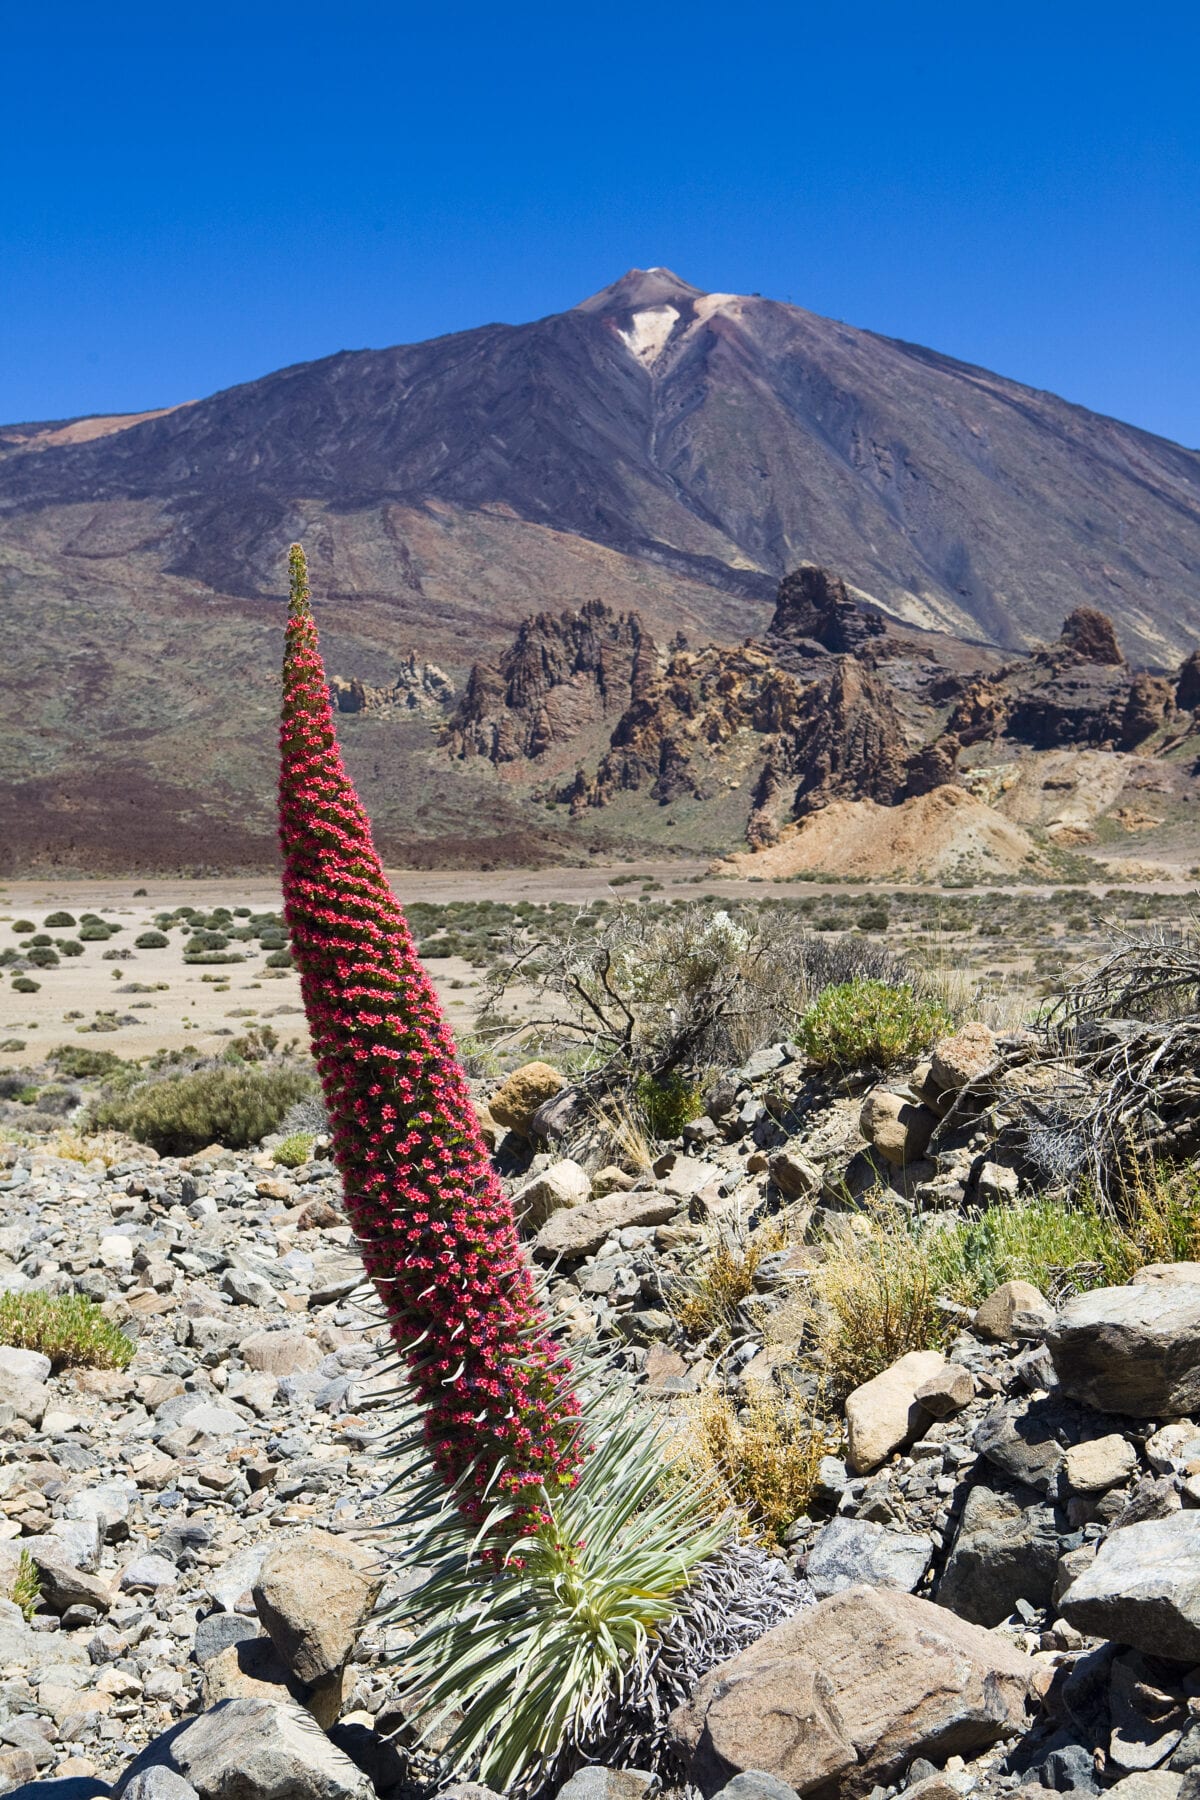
x=25, y=984
x=41, y=940
x=78, y=1062
x=181, y=1114
x=70, y=1330
x=69, y=947
x=56, y=921
x=862, y=1023
x=26, y=1587
x=669, y=1103
x=151, y=940
x=294, y=1151
x=206, y=940
x=280, y=959
x=255, y=1045
x=23, y=925
x=42, y=957
x=93, y=931
x=213, y=956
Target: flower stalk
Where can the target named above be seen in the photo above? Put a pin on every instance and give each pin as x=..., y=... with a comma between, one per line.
x=438, y=1234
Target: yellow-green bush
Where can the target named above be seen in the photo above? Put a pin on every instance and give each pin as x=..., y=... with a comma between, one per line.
x=863, y=1023
x=69, y=1329
x=181, y=1114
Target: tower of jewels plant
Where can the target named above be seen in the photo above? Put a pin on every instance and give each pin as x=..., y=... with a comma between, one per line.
x=554, y=1548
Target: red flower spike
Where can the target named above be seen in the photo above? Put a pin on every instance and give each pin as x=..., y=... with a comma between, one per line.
x=437, y=1231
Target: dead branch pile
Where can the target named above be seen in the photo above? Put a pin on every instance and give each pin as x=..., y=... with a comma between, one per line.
x=1128, y=1039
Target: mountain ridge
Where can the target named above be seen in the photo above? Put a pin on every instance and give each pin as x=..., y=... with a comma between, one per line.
x=662, y=450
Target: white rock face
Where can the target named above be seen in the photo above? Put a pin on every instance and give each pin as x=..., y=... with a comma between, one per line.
x=648, y=332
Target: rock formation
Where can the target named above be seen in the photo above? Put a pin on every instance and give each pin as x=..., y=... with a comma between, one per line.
x=562, y=673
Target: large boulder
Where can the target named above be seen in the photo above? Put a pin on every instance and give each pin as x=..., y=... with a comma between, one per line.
x=963, y=1057
x=1143, y=1588
x=1132, y=1350
x=313, y=1604
x=897, y=1127
x=254, y=1749
x=563, y=1184
x=515, y=1102
x=848, y=1693
x=1006, y=1550
x=579, y=1230
x=884, y=1413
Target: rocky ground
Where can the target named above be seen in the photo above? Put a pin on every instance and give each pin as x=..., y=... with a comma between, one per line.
x=997, y=1557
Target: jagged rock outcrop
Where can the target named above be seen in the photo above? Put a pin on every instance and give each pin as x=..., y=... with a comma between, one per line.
x=835, y=702
x=814, y=610
x=679, y=722
x=419, y=686
x=563, y=672
x=1090, y=636
x=849, y=743
x=1079, y=693
x=1187, y=687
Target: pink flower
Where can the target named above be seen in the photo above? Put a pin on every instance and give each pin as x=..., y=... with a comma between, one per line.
x=415, y=1171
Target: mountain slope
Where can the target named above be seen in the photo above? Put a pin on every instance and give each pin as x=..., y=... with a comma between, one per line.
x=722, y=437
x=667, y=452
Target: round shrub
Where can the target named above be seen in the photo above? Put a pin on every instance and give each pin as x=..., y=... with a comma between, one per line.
x=24, y=925
x=42, y=956
x=40, y=939
x=57, y=920
x=863, y=1023
x=280, y=959
x=93, y=931
x=78, y=1061
x=185, y=1113
x=24, y=984
x=151, y=940
x=69, y=946
x=294, y=1151
x=206, y=940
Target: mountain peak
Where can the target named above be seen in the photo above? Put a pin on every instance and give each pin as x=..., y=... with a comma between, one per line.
x=639, y=288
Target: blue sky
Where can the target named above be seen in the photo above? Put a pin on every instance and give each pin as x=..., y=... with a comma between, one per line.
x=191, y=196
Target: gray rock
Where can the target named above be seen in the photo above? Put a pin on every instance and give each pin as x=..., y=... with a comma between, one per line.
x=1028, y=1442
x=597, y=1783
x=847, y=1551
x=580, y=1230
x=1006, y=1550
x=1014, y=1310
x=563, y=1184
x=63, y=1585
x=856, y=1686
x=159, y=1783
x=756, y=1784
x=21, y=1398
x=217, y=1631
x=1143, y=1588
x=1151, y=1784
x=1132, y=1350
x=313, y=1603
x=22, y=1365
x=147, y=1574
x=254, y=1750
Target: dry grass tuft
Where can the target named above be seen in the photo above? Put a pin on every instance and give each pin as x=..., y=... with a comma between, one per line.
x=880, y=1297
x=763, y=1459
x=726, y=1279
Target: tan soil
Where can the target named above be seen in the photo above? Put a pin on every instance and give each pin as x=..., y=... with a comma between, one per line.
x=942, y=835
